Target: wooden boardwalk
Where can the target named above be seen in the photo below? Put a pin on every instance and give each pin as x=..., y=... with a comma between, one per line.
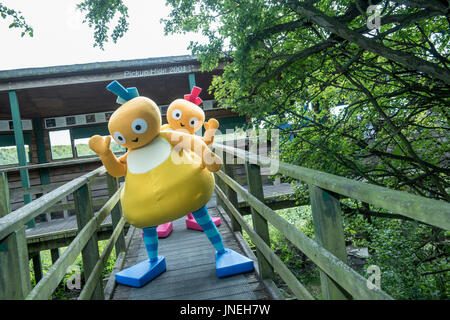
x=191, y=273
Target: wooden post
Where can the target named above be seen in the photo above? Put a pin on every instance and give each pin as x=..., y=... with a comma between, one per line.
x=14, y=263
x=44, y=173
x=191, y=80
x=329, y=233
x=37, y=266
x=20, y=144
x=116, y=213
x=55, y=254
x=65, y=212
x=255, y=187
x=220, y=183
x=232, y=196
x=85, y=211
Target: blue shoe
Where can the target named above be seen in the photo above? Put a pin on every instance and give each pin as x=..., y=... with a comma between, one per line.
x=142, y=273
x=230, y=262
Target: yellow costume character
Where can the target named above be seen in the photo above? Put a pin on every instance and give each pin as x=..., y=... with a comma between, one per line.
x=167, y=175
x=184, y=115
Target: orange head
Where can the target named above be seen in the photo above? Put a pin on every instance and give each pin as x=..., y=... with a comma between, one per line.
x=185, y=115
x=136, y=123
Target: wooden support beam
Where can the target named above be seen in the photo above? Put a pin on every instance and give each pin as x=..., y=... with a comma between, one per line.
x=14, y=263
x=255, y=187
x=85, y=212
x=192, y=80
x=219, y=181
x=20, y=145
x=41, y=152
x=55, y=254
x=116, y=214
x=192, y=84
x=232, y=197
x=37, y=266
x=329, y=233
x=5, y=203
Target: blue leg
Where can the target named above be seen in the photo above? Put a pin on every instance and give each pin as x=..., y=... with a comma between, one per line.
x=228, y=262
x=142, y=273
x=205, y=222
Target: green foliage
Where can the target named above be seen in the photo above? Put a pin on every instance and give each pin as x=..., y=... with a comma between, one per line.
x=393, y=124
x=61, y=152
x=408, y=258
x=18, y=21
x=405, y=251
x=83, y=150
x=8, y=155
x=99, y=14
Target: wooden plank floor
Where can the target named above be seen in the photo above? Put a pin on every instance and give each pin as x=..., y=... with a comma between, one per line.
x=59, y=228
x=191, y=271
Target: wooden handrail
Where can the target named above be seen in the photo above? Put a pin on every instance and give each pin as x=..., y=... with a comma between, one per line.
x=327, y=250
x=19, y=217
x=290, y=279
x=90, y=284
x=333, y=266
x=45, y=287
x=430, y=211
x=54, y=164
x=59, y=163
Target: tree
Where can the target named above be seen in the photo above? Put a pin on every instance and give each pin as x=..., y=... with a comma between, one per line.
x=18, y=21
x=393, y=82
x=99, y=15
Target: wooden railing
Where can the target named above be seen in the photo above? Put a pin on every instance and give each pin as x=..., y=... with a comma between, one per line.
x=14, y=265
x=327, y=250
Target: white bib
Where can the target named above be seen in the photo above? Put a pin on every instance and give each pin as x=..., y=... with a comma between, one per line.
x=147, y=158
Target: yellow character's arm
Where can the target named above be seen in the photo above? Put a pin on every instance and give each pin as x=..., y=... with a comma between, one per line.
x=195, y=144
x=115, y=167
x=165, y=127
x=210, y=129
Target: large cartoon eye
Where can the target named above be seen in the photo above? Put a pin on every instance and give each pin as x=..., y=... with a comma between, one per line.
x=193, y=122
x=176, y=114
x=139, y=126
x=119, y=138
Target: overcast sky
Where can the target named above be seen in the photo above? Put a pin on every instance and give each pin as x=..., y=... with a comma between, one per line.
x=60, y=38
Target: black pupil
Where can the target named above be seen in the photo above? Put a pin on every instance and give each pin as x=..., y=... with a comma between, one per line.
x=138, y=127
x=192, y=122
x=120, y=138
x=178, y=115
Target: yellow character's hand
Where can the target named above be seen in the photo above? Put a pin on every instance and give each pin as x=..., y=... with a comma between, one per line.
x=212, y=124
x=99, y=144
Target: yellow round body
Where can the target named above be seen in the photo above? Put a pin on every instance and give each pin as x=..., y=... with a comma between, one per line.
x=163, y=184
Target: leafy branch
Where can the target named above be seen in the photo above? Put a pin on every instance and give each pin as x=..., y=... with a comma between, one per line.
x=99, y=15
x=18, y=21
